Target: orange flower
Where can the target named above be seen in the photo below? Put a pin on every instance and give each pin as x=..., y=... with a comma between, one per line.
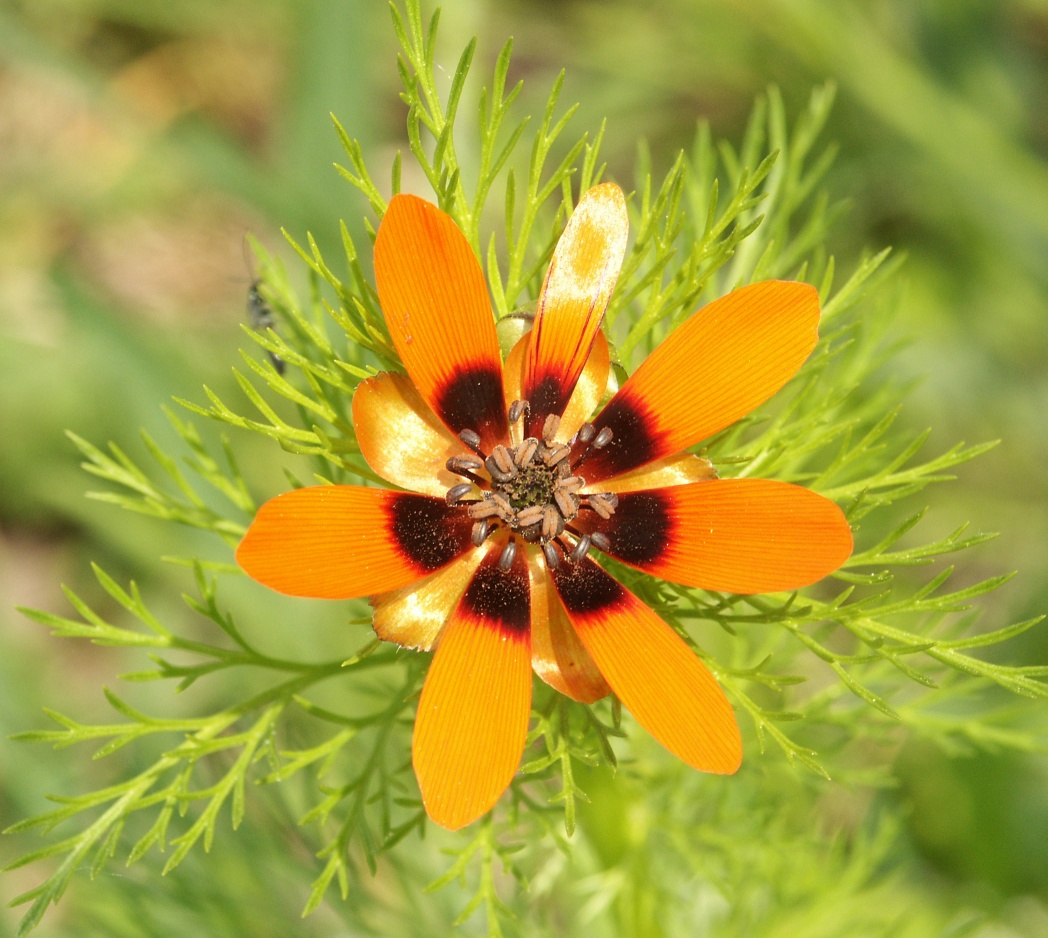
x=488, y=555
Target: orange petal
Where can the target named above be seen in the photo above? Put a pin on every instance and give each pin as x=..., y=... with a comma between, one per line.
x=557, y=655
x=435, y=301
x=679, y=469
x=658, y=678
x=734, y=535
x=724, y=361
x=413, y=615
x=589, y=389
x=473, y=715
x=573, y=299
x=341, y=541
x=401, y=438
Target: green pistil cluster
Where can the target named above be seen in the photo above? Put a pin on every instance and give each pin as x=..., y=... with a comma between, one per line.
x=532, y=486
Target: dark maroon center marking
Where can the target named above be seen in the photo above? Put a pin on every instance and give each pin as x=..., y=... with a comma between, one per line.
x=547, y=397
x=430, y=532
x=473, y=400
x=633, y=442
x=586, y=588
x=641, y=528
x=502, y=598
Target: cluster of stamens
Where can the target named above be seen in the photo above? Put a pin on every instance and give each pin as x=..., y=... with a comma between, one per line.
x=531, y=489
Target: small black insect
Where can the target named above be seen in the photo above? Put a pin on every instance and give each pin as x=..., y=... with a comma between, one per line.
x=260, y=316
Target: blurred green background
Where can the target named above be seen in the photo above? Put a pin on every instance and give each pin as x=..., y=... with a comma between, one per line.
x=139, y=142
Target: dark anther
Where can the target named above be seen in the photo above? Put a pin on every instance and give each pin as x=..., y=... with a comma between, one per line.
x=458, y=463
x=480, y=532
x=472, y=439
x=552, y=557
x=601, y=541
x=497, y=473
x=464, y=466
x=517, y=410
x=503, y=459
x=457, y=491
x=581, y=549
x=590, y=442
x=509, y=554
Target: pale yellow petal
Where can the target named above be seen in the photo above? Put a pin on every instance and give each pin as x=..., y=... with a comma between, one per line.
x=557, y=655
x=414, y=615
x=400, y=437
x=673, y=470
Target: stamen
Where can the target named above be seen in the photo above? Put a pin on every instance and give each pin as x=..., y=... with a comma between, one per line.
x=497, y=473
x=571, y=484
x=568, y=504
x=460, y=465
x=480, y=532
x=456, y=492
x=601, y=440
x=604, y=504
x=555, y=454
x=464, y=465
x=550, y=427
x=581, y=549
x=601, y=541
x=472, y=439
x=552, y=522
x=518, y=409
x=526, y=452
x=552, y=557
x=503, y=507
x=509, y=554
x=529, y=516
x=486, y=508
x=586, y=433
x=503, y=460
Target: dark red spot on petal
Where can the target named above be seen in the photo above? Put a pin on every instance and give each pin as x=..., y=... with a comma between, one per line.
x=634, y=441
x=586, y=588
x=547, y=397
x=500, y=598
x=640, y=530
x=430, y=532
x=473, y=399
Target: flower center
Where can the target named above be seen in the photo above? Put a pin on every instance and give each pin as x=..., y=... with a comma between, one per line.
x=531, y=489
x=533, y=486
